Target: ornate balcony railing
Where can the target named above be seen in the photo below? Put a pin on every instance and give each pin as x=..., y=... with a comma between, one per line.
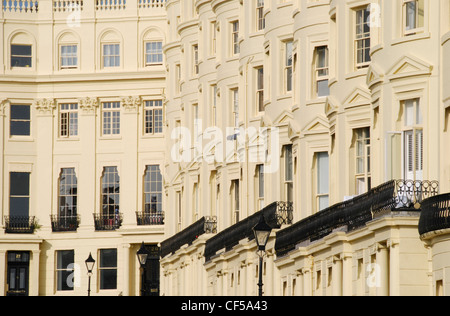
x=67, y=5
x=38, y=9
x=355, y=213
x=149, y=219
x=20, y=224
x=276, y=215
x=435, y=214
x=148, y=4
x=25, y=6
x=65, y=223
x=206, y=225
x=106, y=222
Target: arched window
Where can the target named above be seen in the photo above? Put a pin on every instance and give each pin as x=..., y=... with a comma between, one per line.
x=111, y=50
x=152, y=47
x=68, y=51
x=22, y=51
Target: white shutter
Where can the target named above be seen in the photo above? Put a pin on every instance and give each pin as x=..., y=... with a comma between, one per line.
x=409, y=155
x=419, y=154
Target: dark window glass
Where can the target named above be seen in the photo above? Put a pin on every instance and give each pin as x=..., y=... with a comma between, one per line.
x=20, y=120
x=19, y=194
x=65, y=270
x=108, y=269
x=21, y=56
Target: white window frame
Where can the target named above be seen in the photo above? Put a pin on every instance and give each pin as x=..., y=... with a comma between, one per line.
x=362, y=158
x=288, y=65
x=153, y=117
x=322, y=195
x=114, y=56
x=416, y=28
x=362, y=36
x=72, y=56
x=112, y=111
x=195, y=60
x=158, y=53
x=413, y=139
x=259, y=85
x=235, y=47
x=321, y=72
x=68, y=120
x=260, y=19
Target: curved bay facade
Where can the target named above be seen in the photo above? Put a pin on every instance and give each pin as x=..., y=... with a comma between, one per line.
x=179, y=123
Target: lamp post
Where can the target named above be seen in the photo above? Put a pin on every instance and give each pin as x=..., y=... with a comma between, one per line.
x=262, y=233
x=142, y=255
x=90, y=262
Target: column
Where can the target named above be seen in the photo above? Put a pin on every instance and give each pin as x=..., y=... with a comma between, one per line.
x=383, y=270
x=34, y=273
x=129, y=173
x=337, y=276
x=126, y=270
x=42, y=179
x=87, y=193
x=3, y=272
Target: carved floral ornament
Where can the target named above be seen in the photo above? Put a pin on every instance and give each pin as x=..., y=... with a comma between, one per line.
x=44, y=106
x=131, y=104
x=88, y=105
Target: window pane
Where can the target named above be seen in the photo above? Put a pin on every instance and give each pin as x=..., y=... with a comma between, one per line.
x=64, y=280
x=19, y=184
x=21, y=50
x=20, y=128
x=19, y=206
x=323, y=173
x=108, y=279
x=64, y=259
x=20, y=112
x=322, y=88
x=108, y=258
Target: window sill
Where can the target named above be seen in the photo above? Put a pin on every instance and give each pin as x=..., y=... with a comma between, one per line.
x=68, y=139
x=410, y=38
x=21, y=139
x=153, y=136
x=318, y=100
x=357, y=73
x=110, y=137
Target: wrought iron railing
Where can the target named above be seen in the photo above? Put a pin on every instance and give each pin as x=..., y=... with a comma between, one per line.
x=355, y=213
x=107, y=222
x=206, y=225
x=65, y=223
x=435, y=214
x=20, y=224
x=276, y=215
x=149, y=219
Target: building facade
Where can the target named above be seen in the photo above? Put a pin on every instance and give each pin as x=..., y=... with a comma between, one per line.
x=82, y=89
x=179, y=123
x=349, y=98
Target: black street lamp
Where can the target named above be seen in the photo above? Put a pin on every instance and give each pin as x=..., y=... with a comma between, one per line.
x=262, y=233
x=142, y=255
x=90, y=262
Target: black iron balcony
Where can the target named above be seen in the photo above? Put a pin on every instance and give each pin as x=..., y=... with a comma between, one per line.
x=20, y=224
x=389, y=197
x=149, y=219
x=206, y=225
x=108, y=222
x=276, y=215
x=435, y=214
x=65, y=223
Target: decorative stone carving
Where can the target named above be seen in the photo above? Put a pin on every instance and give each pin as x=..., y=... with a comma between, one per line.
x=131, y=103
x=44, y=106
x=88, y=105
